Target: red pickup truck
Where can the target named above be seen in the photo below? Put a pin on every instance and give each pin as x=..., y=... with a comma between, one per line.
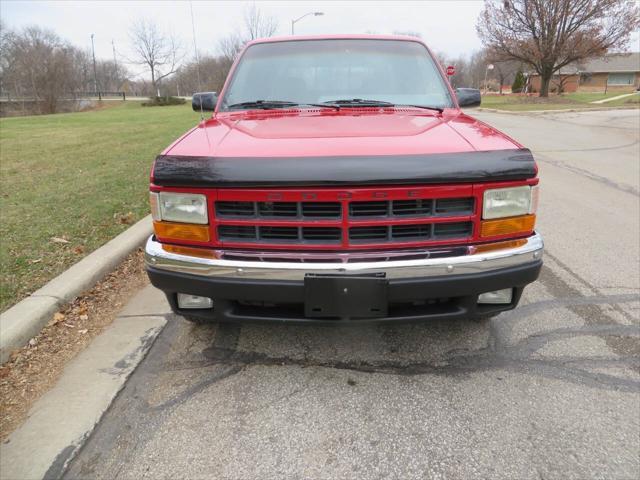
x=338, y=180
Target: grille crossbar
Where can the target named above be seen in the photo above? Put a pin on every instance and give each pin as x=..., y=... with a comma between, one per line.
x=343, y=221
x=377, y=208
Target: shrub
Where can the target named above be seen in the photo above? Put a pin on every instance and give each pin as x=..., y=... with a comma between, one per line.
x=518, y=82
x=164, y=101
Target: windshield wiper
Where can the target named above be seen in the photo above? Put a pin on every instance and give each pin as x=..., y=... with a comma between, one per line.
x=359, y=102
x=268, y=104
x=262, y=104
x=426, y=107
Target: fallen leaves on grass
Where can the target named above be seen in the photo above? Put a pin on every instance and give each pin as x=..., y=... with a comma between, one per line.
x=126, y=219
x=59, y=240
x=33, y=369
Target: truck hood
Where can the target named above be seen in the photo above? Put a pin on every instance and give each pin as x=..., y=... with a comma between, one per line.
x=280, y=149
x=347, y=132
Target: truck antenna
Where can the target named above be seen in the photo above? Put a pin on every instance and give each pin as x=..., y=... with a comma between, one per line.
x=195, y=49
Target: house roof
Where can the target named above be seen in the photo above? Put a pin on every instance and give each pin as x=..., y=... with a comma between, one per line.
x=613, y=62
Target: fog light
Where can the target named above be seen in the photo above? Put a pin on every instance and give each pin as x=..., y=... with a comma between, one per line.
x=499, y=296
x=193, y=301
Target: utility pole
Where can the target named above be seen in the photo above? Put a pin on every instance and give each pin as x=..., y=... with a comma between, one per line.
x=95, y=74
x=115, y=62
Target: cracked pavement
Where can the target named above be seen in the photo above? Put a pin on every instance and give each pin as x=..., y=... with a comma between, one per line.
x=550, y=390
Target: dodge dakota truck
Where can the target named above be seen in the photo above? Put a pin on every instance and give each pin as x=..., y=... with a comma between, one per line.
x=338, y=180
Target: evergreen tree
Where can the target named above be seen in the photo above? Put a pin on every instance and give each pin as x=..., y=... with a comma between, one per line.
x=518, y=82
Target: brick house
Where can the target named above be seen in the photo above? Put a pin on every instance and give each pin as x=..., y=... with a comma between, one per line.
x=613, y=72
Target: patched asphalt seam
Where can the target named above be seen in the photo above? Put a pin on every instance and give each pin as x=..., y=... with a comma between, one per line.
x=222, y=360
x=595, y=290
x=62, y=460
x=146, y=341
x=595, y=149
x=518, y=358
x=591, y=314
x=128, y=400
x=609, y=120
x=533, y=308
x=592, y=176
x=60, y=465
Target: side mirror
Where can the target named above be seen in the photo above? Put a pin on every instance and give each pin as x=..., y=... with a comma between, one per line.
x=468, y=97
x=204, y=101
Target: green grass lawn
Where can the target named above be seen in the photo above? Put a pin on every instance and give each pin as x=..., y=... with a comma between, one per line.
x=82, y=177
x=557, y=102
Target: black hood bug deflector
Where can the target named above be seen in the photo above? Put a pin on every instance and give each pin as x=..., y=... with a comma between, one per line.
x=229, y=172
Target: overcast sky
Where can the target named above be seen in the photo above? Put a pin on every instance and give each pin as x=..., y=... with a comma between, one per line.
x=447, y=26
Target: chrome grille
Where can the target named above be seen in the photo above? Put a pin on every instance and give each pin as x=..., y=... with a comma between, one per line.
x=325, y=224
x=412, y=208
x=404, y=233
x=230, y=209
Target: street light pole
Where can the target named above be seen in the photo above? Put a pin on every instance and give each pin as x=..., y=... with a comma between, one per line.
x=95, y=74
x=293, y=21
x=486, y=70
x=115, y=62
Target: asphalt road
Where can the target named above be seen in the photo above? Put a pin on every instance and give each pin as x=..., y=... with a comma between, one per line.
x=551, y=390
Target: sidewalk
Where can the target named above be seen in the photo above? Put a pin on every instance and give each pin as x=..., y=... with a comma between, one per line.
x=605, y=100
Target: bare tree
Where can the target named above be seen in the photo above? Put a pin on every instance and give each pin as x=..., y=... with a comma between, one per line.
x=477, y=68
x=212, y=73
x=504, y=71
x=257, y=24
x=408, y=33
x=549, y=34
x=161, y=53
x=110, y=75
x=6, y=37
x=230, y=46
x=469, y=69
x=39, y=65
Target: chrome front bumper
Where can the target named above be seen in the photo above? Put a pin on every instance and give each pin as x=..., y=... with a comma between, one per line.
x=157, y=258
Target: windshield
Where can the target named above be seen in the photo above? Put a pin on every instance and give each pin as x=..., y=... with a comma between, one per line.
x=317, y=71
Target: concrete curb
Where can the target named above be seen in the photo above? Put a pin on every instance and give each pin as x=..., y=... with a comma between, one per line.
x=62, y=419
x=25, y=319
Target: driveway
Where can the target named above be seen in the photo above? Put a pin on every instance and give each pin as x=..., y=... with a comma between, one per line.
x=550, y=390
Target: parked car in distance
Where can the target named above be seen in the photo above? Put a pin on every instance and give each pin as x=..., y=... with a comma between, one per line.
x=337, y=180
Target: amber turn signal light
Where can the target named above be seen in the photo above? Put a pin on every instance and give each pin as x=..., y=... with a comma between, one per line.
x=189, y=251
x=507, y=226
x=181, y=231
x=490, y=247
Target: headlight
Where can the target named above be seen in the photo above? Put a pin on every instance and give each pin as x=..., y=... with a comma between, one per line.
x=179, y=207
x=509, y=202
x=154, y=202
